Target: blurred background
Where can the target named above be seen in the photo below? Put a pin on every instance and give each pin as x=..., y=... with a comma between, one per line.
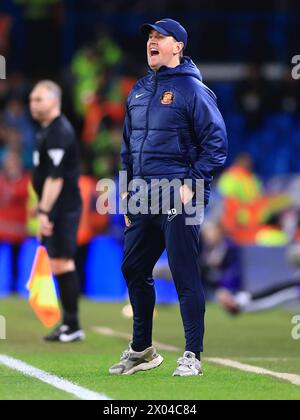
x=94, y=50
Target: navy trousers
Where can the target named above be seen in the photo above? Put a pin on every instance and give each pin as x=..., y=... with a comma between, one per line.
x=145, y=240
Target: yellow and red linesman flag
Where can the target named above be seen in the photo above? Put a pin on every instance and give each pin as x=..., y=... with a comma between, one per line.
x=42, y=296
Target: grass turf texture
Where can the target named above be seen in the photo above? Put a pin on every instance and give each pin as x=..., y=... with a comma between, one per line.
x=262, y=340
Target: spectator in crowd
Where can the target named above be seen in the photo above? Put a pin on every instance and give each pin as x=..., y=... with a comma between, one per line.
x=105, y=149
x=17, y=118
x=277, y=295
x=252, y=96
x=16, y=86
x=5, y=27
x=287, y=95
x=2, y=141
x=10, y=142
x=220, y=261
x=248, y=212
x=89, y=70
x=14, y=184
x=107, y=102
x=85, y=71
x=4, y=94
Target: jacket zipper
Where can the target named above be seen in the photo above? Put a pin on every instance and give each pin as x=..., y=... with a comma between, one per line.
x=147, y=125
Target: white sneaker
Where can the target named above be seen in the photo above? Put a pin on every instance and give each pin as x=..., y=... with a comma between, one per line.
x=188, y=365
x=133, y=361
x=71, y=336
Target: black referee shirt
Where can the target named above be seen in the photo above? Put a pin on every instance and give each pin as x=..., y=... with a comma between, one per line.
x=57, y=156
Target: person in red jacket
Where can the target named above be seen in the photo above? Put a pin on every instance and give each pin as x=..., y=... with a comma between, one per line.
x=14, y=191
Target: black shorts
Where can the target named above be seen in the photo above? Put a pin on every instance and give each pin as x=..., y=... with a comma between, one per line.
x=63, y=242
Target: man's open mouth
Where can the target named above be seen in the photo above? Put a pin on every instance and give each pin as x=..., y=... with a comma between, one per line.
x=153, y=52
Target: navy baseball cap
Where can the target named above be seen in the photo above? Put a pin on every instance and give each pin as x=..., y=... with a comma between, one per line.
x=167, y=27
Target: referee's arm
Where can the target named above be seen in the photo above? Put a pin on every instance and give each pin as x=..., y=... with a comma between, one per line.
x=57, y=154
x=51, y=192
x=53, y=185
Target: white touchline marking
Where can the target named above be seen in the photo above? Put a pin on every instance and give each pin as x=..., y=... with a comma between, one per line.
x=55, y=381
x=293, y=379
x=108, y=332
x=266, y=359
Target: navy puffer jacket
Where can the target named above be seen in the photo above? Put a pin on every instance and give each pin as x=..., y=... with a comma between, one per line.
x=173, y=128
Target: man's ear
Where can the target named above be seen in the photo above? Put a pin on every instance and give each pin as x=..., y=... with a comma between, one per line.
x=178, y=48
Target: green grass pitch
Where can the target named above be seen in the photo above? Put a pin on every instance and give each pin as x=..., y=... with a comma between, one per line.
x=262, y=340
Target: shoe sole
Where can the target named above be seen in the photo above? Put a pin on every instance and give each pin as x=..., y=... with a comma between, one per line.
x=142, y=367
x=188, y=374
x=73, y=338
x=48, y=340
x=146, y=366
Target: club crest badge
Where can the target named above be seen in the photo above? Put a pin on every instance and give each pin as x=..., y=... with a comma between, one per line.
x=167, y=98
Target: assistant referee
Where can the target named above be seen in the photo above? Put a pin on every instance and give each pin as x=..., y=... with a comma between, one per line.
x=55, y=180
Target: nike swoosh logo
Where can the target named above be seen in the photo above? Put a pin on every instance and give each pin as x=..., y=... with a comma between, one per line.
x=138, y=96
x=170, y=218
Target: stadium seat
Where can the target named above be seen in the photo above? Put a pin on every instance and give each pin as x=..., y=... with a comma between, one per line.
x=277, y=38
x=281, y=163
x=26, y=259
x=5, y=270
x=165, y=289
x=282, y=123
x=235, y=121
x=225, y=92
x=104, y=277
x=265, y=267
x=240, y=39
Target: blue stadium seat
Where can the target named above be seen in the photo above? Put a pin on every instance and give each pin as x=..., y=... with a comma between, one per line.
x=295, y=138
x=240, y=39
x=165, y=289
x=294, y=143
x=5, y=270
x=282, y=159
x=276, y=34
x=26, y=258
x=235, y=122
x=225, y=92
x=282, y=123
x=104, y=277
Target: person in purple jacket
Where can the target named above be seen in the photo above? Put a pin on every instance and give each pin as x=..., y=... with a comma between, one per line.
x=173, y=131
